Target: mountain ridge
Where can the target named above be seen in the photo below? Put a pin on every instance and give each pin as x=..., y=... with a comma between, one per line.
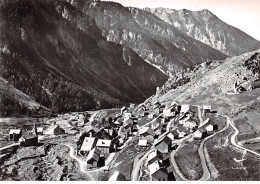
x=205, y=26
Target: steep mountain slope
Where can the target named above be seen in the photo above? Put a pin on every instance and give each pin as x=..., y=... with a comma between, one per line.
x=156, y=41
x=210, y=86
x=208, y=28
x=57, y=55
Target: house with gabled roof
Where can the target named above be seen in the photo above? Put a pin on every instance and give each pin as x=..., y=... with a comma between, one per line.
x=163, y=144
x=156, y=124
x=200, y=134
x=105, y=146
x=155, y=155
x=142, y=142
x=145, y=131
x=28, y=140
x=15, y=134
x=185, y=108
x=158, y=172
x=88, y=144
x=93, y=158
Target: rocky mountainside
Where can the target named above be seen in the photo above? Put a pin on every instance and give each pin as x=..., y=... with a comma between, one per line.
x=209, y=83
x=208, y=28
x=57, y=55
x=156, y=41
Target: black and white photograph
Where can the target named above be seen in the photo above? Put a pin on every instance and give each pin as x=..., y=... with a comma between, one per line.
x=129, y=90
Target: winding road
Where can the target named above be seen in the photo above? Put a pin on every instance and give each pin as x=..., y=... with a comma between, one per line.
x=204, y=160
x=9, y=146
x=233, y=137
x=82, y=164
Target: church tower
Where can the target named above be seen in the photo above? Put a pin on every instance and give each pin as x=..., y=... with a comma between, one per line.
x=34, y=130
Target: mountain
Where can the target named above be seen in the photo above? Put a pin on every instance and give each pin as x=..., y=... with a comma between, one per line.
x=57, y=55
x=208, y=28
x=156, y=41
x=209, y=83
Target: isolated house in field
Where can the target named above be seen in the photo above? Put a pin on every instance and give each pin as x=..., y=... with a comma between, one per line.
x=117, y=176
x=56, y=130
x=88, y=144
x=15, y=134
x=158, y=172
x=163, y=144
x=209, y=128
x=185, y=108
x=155, y=155
x=93, y=158
x=105, y=146
x=145, y=131
x=29, y=140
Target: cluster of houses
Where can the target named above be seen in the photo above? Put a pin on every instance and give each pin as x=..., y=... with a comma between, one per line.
x=185, y=121
x=30, y=138
x=26, y=139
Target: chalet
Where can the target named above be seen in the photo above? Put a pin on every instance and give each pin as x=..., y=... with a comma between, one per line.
x=156, y=124
x=105, y=146
x=151, y=116
x=155, y=155
x=142, y=143
x=185, y=108
x=141, y=112
x=56, y=130
x=168, y=112
x=132, y=105
x=199, y=134
x=88, y=144
x=117, y=176
x=15, y=134
x=209, y=128
x=29, y=140
x=93, y=158
x=145, y=131
x=156, y=110
x=163, y=144
x=147, y=105
x=158, y=172
x=127, y=115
